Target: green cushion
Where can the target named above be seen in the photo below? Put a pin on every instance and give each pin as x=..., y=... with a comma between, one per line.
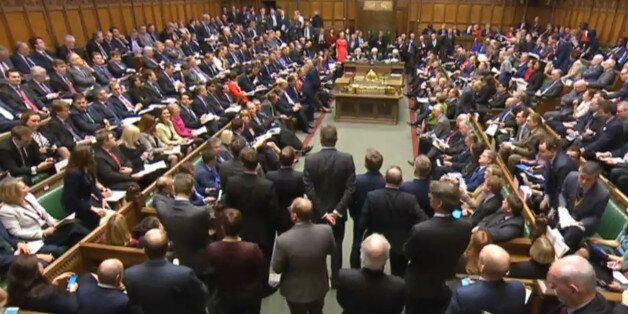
x=51, y=201
x=612, y=221
x=197, y=162
x=39, y=177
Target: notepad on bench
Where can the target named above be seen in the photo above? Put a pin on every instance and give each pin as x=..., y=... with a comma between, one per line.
x=150, y=168
x=116, y=196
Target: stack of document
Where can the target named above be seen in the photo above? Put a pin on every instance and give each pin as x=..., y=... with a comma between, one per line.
x=150, y=168
x=199, y=131
x=234, y=109
x=565, y=219
x=173, y=151
x=557, y=240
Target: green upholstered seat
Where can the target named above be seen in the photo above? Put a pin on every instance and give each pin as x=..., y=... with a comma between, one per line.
x=39, y=177
x=612, y=221
x=51, y=201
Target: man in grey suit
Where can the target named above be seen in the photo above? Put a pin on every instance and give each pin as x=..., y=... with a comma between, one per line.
x=301, y=257
x=329, y=177
x=585, y=198
x=606, y=79
x=505, y=224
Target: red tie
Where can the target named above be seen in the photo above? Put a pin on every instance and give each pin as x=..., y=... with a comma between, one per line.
x=27, y=100
x=126, y=103
x=65, y=79
x=116, y=159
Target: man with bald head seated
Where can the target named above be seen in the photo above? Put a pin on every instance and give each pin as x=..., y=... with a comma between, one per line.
x=573, y=279
x=103, y=292
x=157, y=286
x=369, y=290
x=491, y=294
x=392, y=213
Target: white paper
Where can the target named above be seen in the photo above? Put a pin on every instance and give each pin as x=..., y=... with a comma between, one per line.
x=149, y=168
x=565, y=219
x=103, y=220
x=199, y=131
x=423, y=100
x=620, y=277
x=557, y=240
x=130, y=120
x=234, y=109
x=59, y=166
x=116, y=196
x=175, y=150
x=67, y=100
x=491, y=130
x=35, y=246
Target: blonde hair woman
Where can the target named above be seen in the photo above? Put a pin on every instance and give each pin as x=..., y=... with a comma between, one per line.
x=26, y=220
x=118, y=233
x=541, y=257
x=165, y=130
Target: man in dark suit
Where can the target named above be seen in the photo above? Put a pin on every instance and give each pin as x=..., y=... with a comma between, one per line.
x=492, y=200
x=434, y=261
x=369, y=181
x=121, y=103
x=40, y=87
x=622, y=93
x=606, y=78
x=19, y=97
x=491, y=294
x=392, y=213
x=85, y=117
x=505, y=224
x=595, y=69
x=207, y=178
x=22, y=159
x=41, y=56
x=329, y=177
x=575, y=283
x=287, y=181
x=68, y=48
x=232, y=166
x=167, y=82
x=301, y=259
x=369, y=290
x=187, y=225
x=103, y=292
x=255, y=197
x=21, y=59
x=585, y=198
x=558, y=166
x=419, y=187
x=59, y=80
x=112, y=169
x=157, y=286
x=62, y=128
x=610, y=137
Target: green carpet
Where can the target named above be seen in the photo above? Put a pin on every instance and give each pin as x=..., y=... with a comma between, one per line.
x=393, y=141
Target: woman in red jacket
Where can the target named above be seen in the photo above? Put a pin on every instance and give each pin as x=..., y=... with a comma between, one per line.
x=234, y=88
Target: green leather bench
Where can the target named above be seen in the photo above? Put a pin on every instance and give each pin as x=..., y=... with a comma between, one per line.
x=51, y=201
x=613, y=221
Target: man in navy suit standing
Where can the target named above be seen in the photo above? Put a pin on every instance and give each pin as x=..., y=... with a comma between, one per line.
x=103, y=292
x=369, y=181
x=157, y=286
x=491, y=294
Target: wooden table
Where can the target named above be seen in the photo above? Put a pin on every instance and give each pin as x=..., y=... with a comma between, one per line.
x=367, y=108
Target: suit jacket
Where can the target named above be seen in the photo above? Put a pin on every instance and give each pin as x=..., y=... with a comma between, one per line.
x=598, y=305
x=529, y=270
x=39, y=91
x=475, y=179
x=442, y=127
x=96, y=299
x=329, y=177
x=228, y=169
x=107, y=169
x=23, y=222
x=420, y=189
x=23, y=63
x=107, y=111
x=187, y=226
x=288, y=185
x=502, y=228
x=60, y=85
x=61, y=134
x=609, y=138
x=167, y=85
x=434, y=261
x=255, y=197
x=207, y=177
x=529, y=145
x=593, y=73
x=159, y=287
x=15, y=101
x=119, y=108
x=591, y=207
x=555, y=173
x=82, y=78
x=11, y=159
x=88, y=121
x=487, y=208
x=392, y=213
x=551, y=89
x=622, y=93
x=364, y=183
x=604, y=81
x=489, y=296
x=301, y=258
x=365, y=291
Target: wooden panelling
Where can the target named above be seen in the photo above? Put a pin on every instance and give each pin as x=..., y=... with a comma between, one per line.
x=21, y=20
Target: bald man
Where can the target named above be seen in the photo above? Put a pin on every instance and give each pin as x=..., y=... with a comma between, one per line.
x=103, y=292
x=392, y=213
x=491, y=294
x=157, y=286
x=573, y=279
x=369, y=289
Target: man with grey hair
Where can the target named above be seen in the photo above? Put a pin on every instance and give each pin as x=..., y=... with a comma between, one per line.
x=369, y=289
x=40, y=86
x=492, y=294
x=573, y=279
x=103, y=292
